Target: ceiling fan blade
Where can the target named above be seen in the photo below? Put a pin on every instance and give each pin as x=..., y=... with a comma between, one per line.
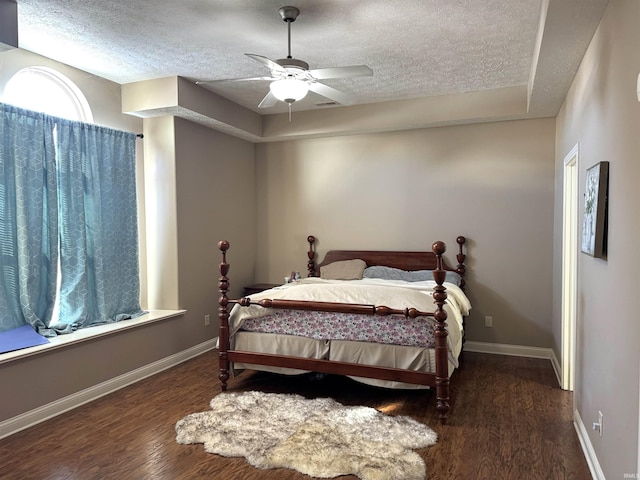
x=267, y=62
x=199, y=82
x=268, y=101
x=341, y=72
x=332, y=94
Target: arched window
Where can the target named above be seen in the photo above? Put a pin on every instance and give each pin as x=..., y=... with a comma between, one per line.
x=94, y=171
x=43, y=89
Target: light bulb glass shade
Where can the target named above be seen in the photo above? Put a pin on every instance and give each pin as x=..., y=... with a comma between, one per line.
x=289, y=89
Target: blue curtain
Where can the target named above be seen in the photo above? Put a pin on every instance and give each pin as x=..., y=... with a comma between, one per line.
x=28, y=218
x=98, y=226
x=66, y=187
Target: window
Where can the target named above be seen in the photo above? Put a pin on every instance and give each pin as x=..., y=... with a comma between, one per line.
x=46, y=90
x=43, y=89
x=71, y=185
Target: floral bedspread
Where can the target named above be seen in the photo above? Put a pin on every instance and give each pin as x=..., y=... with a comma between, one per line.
x=393, y=329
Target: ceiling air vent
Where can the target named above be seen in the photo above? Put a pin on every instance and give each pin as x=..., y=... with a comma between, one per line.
x=326, y=104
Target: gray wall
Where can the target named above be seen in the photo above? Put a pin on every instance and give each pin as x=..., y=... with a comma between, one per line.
x=492, y=183
x=215, y=201
x=601, y=113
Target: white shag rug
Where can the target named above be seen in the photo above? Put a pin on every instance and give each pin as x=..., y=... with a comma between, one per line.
x=320, y=437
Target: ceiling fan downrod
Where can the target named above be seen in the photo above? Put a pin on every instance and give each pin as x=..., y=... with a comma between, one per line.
x=289, y=15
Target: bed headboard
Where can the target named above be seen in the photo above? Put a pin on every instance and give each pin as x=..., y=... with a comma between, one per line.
x=404, y=260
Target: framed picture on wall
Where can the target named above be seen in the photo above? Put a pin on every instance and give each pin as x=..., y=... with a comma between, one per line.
x=594, y=224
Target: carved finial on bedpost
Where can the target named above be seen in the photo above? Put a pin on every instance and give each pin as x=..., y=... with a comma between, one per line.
x=311, y=264
x=440, y=315
x=461, y=257
x=223, y=315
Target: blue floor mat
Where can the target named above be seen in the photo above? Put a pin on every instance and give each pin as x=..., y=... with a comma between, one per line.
x=19, y=338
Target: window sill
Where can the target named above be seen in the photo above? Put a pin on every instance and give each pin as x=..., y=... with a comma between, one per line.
x=90, y=333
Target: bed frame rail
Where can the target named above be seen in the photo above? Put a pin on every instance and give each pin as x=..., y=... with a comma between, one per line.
x=363, y=309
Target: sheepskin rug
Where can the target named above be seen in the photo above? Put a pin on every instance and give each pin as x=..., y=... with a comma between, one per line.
x=318, y=437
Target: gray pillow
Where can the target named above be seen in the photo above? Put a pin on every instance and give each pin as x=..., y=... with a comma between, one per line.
x=390, y=273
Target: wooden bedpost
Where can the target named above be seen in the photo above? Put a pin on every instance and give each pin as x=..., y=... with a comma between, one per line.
x=461, y=269
x=311, y=264
x=223, y=315
x=442, y=363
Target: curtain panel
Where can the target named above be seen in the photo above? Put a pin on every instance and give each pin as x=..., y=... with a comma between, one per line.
x=89, y=189
x=28, y=218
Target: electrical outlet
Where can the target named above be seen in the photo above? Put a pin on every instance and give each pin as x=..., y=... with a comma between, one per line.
x=488, y=321
x=207, y=320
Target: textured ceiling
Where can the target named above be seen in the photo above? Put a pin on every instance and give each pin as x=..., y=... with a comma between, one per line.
x=416, y=48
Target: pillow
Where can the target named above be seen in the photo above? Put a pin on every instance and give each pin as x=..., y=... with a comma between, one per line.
x=343, y=270
x=386, y=273
x=390, y=273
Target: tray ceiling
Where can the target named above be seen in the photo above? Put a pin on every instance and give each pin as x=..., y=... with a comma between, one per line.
x=416, y=48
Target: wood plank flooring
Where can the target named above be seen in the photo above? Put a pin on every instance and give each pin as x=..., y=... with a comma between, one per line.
x=509, y=420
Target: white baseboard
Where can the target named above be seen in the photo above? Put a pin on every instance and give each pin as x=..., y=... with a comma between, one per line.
x=517, y=351
x=587, y=447
x=504, y=349
x=555, y=363
x=45, y=412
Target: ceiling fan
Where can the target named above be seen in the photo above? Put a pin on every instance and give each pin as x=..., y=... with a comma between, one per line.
x=291, y=78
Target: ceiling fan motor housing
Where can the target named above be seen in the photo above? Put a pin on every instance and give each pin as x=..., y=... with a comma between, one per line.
x=292, y=63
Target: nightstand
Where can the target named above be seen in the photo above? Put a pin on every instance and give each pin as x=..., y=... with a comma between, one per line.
x=258, y=287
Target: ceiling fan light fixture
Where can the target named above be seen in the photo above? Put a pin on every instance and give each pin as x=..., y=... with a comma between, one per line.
x=289, y=90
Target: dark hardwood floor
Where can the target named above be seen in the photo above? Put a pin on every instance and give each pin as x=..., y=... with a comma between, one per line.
x=509, y=420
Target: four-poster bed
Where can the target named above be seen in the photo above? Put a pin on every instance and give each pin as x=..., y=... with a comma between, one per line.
x=383, y=320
